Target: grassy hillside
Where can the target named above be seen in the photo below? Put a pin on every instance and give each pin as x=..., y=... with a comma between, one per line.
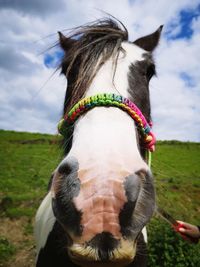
x=176, y=168
x=26, y=163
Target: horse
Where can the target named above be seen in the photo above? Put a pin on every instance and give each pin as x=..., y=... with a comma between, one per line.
x=101, y=195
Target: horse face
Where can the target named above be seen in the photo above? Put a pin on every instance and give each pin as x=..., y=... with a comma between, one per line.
x=103, y=193
x=102, y=216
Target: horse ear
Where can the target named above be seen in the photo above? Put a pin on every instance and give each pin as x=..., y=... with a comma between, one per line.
x=65, y=43
x=150, y=41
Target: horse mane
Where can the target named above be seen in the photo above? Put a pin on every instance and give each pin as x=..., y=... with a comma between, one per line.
x=91, y=46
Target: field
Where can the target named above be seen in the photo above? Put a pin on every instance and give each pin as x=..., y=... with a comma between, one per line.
x=26, y=163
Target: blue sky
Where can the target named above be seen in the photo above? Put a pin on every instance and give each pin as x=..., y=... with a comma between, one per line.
x=189, y=81
x=32, y=96
x=186, y=18
x=52, y=60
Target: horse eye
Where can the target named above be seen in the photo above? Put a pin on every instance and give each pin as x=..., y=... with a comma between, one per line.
x=150, y=72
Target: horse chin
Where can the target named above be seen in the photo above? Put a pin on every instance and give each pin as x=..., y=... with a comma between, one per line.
x=87, y=256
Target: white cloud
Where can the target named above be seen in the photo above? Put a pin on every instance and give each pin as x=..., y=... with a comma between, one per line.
x=31, y=28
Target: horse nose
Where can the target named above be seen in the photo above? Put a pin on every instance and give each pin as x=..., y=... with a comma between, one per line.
x=140, y=204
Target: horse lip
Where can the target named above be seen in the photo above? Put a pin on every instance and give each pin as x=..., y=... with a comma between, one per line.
x=83, y=254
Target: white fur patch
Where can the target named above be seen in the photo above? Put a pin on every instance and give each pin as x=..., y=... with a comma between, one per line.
x=103, y=81
x=44, y=222
x=144, y=232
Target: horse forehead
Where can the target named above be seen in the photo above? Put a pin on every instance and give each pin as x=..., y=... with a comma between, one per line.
x=133, y=52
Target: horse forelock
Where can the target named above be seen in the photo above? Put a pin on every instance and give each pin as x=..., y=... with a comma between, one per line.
x=93, y=45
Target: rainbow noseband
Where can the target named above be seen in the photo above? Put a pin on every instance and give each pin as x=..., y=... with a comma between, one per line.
x=110, y=100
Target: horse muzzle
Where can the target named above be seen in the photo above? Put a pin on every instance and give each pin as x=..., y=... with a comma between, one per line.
x=103, y=251
x=102, y=216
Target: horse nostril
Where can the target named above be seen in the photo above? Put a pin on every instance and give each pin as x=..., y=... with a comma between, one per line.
x=140, y=203
x=66, y=188
x=132, y=186
x=64, y=168
x=68, y=166
x=144, y=175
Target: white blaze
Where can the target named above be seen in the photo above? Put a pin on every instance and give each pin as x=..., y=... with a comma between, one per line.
x=107, y=135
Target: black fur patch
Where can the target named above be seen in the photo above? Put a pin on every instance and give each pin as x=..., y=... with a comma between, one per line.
x=140, y=259
x=104, y=243
x=54, y=254
x=139, y=76
x=132, y=188
x=68, y=188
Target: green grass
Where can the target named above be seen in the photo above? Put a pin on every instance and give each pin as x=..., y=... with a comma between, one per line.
x=176, y=168
x=6, y=250
x=167, y=249
x=27, y=161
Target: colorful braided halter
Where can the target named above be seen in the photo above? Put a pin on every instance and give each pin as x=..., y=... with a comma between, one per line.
x=110, y=100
